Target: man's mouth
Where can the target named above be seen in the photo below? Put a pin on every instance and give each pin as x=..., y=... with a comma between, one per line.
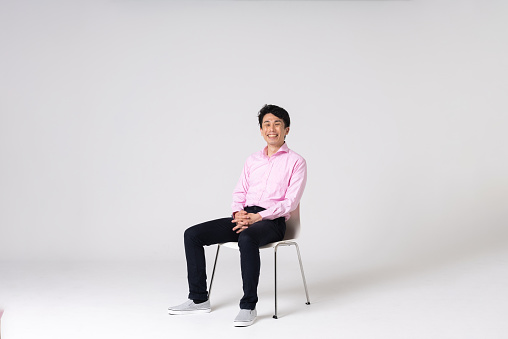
x=272, y=135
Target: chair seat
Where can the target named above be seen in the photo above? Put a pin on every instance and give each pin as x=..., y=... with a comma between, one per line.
x=234, y=244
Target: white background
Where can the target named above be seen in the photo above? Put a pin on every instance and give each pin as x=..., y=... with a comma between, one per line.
x=124, y=122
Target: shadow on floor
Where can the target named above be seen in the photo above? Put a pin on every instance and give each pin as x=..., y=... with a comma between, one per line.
x=335, y=283
x=329, y=282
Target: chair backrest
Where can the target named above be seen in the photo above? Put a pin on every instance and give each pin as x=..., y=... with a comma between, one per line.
x=293, y=225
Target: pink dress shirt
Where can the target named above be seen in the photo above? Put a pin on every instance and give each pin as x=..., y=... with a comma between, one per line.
x=274, y=183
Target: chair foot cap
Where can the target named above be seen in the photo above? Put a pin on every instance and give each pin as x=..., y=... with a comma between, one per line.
x=275, y=317
x=307, y=303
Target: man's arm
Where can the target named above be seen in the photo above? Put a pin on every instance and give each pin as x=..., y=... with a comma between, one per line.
x=293, y=193
x=240, y=191
x=241, y=218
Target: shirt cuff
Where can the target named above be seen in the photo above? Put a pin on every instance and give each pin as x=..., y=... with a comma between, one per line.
x=264, y=214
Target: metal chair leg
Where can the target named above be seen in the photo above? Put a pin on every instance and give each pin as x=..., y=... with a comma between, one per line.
x=303, y=274
x=301, y=270
x=275, y=275
x=213, y=271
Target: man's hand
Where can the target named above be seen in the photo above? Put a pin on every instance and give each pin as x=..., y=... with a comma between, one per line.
x=243, y=220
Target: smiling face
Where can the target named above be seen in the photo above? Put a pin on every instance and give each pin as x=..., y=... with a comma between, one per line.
x=273, y=130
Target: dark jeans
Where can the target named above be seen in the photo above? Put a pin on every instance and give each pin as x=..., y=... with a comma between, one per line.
x=219, y=231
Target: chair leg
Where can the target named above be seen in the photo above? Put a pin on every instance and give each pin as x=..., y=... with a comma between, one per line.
x=213, y=271
x=303, y=274
x=301, y=270
x=275, y=275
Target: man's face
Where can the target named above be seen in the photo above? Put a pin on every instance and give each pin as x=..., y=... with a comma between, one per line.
x=273, y=130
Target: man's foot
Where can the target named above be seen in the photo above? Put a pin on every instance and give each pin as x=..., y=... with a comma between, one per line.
x=189, y=307
x=245, y=318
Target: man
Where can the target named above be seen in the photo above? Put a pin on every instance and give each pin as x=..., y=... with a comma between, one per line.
x=270, y=187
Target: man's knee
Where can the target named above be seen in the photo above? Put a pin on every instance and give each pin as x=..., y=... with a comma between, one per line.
x=246, y=239
x=190, y=233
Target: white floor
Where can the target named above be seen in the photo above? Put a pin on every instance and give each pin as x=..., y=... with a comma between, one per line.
x=463, y=298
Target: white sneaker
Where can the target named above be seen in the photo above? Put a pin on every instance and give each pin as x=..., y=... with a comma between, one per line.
x=245, y=318
x=189, y=307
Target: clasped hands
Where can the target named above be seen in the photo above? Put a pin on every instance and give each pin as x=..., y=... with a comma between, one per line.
x=243, y=220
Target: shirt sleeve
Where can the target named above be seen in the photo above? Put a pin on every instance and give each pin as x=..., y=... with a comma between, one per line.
x=293, y=194
x=240, y=191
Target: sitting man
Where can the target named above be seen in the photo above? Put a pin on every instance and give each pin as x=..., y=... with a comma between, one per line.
x=269, y=189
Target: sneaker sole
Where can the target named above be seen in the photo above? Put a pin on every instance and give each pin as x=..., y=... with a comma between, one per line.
x=175, y=312
x=243, y=323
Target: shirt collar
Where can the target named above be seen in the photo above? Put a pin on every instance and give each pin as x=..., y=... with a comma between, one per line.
x=284, y=148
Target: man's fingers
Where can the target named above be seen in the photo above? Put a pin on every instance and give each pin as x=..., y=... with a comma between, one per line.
x=244, y=220
x=241, y=229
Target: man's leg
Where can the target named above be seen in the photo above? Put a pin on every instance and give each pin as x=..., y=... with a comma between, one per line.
x=249, y=241
x=195, y=237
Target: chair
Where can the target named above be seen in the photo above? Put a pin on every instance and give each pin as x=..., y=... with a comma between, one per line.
x=292, y=232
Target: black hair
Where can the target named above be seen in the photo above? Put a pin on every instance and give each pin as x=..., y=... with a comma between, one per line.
x=279, y=112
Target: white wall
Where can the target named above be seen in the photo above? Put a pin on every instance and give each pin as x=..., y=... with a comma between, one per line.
x=111, y=111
